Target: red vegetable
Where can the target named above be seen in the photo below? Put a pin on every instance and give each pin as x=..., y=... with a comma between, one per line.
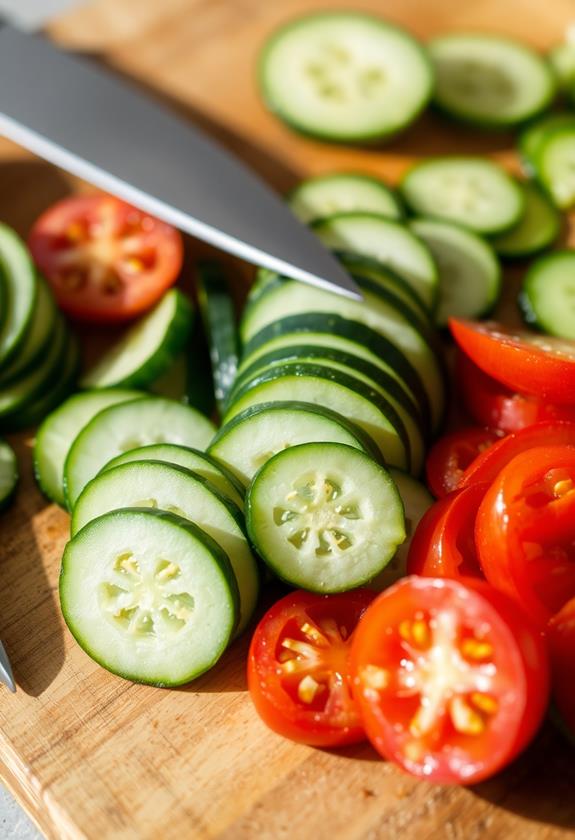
x=452, y=455
x=561, y=640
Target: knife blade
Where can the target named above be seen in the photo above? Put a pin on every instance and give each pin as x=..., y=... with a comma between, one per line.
x=87, y=121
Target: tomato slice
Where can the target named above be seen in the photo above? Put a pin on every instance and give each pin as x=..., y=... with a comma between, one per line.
x=489, y=464
x=105, y=260
x=525, y=530
x=452, y=455
x=451, y=678
x=524, y=361
x=298, y=673
x=561, y=641
x=444, y=542
x=494, y=405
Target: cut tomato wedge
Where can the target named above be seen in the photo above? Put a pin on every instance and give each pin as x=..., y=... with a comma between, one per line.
x=298, y=670
x=106, y=261
x=524, y=361
x=561, y=640
x=452, y=455
x=451, y=678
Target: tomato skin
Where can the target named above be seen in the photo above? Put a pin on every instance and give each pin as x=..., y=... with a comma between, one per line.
x=489, y=464
x=450, y=456
x=520, y=680
x=520, y=360
x=561, y=641
x=106, y=261
x=444, y=542
x=524, y=532
x=269, y=687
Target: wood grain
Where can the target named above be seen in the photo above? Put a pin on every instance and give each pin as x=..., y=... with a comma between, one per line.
x=92, y=756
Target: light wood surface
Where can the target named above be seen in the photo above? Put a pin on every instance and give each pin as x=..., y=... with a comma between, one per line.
x=92, y=756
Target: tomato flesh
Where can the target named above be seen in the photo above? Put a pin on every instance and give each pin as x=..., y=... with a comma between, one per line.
x=452, y=454
x=105, y=260
x=298, y=670
x=451, y=678
x=561, y=640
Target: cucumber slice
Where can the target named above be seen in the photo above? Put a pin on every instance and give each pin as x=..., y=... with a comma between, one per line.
x=555, y=165
x=37, y=337
x=219, y=320
x=21, y=287
x=466, y=190
x=173, y=383
x=562, y=60
x=251, y=438
x=154, y=484
x=532, y=137
x=345, y=76
x=390, y=242
x=538, y=229
x=149, y=596
x=192, y=459
x=343, y=192
x=346, y=395
x=469, y=271
x=8, y=474
x=58, y=432
x=324, y=516
x=489, y=80
x=128, y=425
x=147, y=349
x=547, y=297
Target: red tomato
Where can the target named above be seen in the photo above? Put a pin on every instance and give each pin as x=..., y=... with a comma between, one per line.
x=298, y=673
x=561, y=641
x=444, y=543
x=494, y=405
x=489, y=464
x=525, y=530
x=452, y=454
x=524, y=361
x=451, y=678
x=105, y=260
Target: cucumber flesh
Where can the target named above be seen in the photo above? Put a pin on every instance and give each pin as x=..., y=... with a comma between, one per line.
x=149, y=596
x=555, y=166
x=562, y=59
x=538, y=229
x=324, y=516
x=343, y=192
x=547, y=298
x=533, y=136
x=8, y=474
x=37, y=336
x=20, y=284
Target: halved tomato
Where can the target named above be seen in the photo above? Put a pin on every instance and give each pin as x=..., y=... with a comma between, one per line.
x=524, y=361
x=561, y=641
x=451, y=456
x=105, y=260
x=298, y=670
x=451, y=678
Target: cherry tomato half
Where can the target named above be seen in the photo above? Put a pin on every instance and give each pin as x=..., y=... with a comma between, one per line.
x=451, y=456
x=298, y=673
x=561, y=641
x=444, y=543
x=105, y=260
x=525, y=530
x=451, y=678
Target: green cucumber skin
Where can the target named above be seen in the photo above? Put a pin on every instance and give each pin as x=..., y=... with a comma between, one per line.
x=26, y=359
x=218, y=555
x=394, y=200
x=526, y=307
x=519, y=253
x=7, y=236
x=7, y=500
x=534, y=134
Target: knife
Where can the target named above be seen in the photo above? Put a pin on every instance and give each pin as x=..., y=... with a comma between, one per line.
x=96, y=126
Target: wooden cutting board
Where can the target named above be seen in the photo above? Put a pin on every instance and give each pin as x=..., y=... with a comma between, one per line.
x=92, y=756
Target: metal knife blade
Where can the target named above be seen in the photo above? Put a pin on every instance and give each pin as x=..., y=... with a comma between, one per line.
x=98, y=127
x=6, y=675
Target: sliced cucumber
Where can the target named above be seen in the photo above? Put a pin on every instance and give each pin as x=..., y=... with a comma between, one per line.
x=538, y=229
x=490, y=80
x=344, y=76
x=37, y=337
x=149, y=596
x=219, y=320
x=20, y=285
x=192, y=459
x=466, y=190
x=547, y=298
x=533, y=136
x=8, y=474
x=251, y=438
x=555, y=165
x=390, y=242
x=58, y=432
x=154, y=484
x=173, y=383
x=343, y=192
x=469, y=271
x=562, y=60
x=324, y=516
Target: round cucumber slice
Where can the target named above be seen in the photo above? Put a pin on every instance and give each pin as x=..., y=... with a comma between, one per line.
x=533, y=136
x=149, y=596
x=343, y=192
x=469, y=271
x=20, y=284
x=490, y=80
x=466, y=190
x=128, y=425
x=251, y=438
x=37, y=337
x=161, y=486
x=324, y=516
x=547, y=297
x=538, y=229
x=345, y=76
x=8, y=474
x=555, y=165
